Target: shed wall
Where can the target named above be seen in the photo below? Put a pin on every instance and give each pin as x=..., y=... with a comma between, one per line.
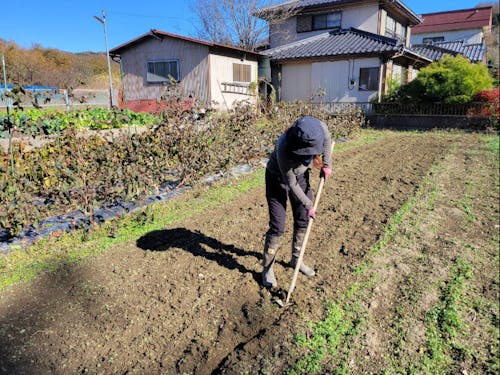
x=296, y=82
x=223, y=93
x=193, y=68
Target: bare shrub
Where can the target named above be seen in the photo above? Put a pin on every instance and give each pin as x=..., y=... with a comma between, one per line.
x=83, y=172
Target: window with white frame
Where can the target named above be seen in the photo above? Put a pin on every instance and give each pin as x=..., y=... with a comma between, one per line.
x=323, y=21
x=368, y=79
x=242, y=72
x=161, y=71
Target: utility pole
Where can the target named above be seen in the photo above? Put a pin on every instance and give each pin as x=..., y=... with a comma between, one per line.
x=9, y=123
x=5, y=80
x=103, y=22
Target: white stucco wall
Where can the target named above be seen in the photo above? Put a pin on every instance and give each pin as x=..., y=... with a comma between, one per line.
x=469, y=36
x=221, y=71
x=331, y=78
x=364, y=17
x=413, y=74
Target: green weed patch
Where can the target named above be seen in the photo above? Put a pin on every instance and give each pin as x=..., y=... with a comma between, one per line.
x=444, y=323
x=327, y=340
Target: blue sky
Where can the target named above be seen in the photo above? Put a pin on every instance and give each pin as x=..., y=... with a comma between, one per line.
x=69, y=25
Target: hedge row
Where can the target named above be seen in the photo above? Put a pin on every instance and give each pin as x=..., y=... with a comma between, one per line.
x=81, y=171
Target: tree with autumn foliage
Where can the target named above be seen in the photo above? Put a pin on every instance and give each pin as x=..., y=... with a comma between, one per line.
x=52, y=67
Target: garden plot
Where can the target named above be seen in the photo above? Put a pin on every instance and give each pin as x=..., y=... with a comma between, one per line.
x=187, y=298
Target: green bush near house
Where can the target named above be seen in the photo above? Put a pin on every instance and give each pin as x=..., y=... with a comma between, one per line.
x=451, y=80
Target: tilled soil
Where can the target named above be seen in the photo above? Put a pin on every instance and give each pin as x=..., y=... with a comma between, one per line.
x=187, y=299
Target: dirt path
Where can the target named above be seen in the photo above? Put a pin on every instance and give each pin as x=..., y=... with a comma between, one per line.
x=187, y=299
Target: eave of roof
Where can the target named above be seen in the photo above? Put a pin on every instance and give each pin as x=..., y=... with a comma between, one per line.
x=432, y=52
x=474, y=52
x=154, y=33
x=301, y=5
x=340, y=44
x=462, y=19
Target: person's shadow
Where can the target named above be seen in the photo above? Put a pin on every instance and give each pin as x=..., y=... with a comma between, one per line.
x=223, y=254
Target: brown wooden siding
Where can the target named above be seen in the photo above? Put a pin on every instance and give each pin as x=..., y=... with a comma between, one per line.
x=193, y=68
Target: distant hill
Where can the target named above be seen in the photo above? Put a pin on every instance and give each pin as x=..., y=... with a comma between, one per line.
x=52, y=67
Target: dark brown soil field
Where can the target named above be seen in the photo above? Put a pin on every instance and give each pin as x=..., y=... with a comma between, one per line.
x=188, y=300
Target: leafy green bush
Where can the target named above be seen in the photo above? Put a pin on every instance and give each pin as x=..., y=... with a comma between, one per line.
x=450, y=80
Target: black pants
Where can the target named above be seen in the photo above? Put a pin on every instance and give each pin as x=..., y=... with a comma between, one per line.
x=277, y=193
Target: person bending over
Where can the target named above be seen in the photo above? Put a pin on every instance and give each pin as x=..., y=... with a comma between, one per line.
x=287, y=177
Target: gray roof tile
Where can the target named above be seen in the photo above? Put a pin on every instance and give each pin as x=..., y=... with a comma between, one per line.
x=435, y=51
x=335, y=43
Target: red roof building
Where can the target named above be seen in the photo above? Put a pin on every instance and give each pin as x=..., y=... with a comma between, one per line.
x=468, y=25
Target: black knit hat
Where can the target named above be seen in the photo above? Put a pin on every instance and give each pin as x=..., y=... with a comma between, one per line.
x=306, y=137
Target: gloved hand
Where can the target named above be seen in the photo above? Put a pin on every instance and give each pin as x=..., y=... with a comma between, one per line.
x=311, y=213
x=325, y=172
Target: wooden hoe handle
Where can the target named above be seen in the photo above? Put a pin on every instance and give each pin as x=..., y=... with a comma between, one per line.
x=306, y=238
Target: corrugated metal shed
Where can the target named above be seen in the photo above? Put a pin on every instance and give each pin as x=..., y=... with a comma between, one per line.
x=336, y=43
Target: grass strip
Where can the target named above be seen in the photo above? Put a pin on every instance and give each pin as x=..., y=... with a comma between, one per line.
x=363, y=137
x=328, y=338
x=493, y=144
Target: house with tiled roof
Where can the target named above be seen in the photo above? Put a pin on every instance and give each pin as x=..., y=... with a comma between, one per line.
x=453, y=32
x=470, y=26
x=340, y=50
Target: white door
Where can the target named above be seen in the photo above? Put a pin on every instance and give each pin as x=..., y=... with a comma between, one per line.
x=296, y=82
x=329, y=80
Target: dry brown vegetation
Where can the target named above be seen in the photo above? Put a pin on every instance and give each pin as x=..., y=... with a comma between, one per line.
x=51, y=67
